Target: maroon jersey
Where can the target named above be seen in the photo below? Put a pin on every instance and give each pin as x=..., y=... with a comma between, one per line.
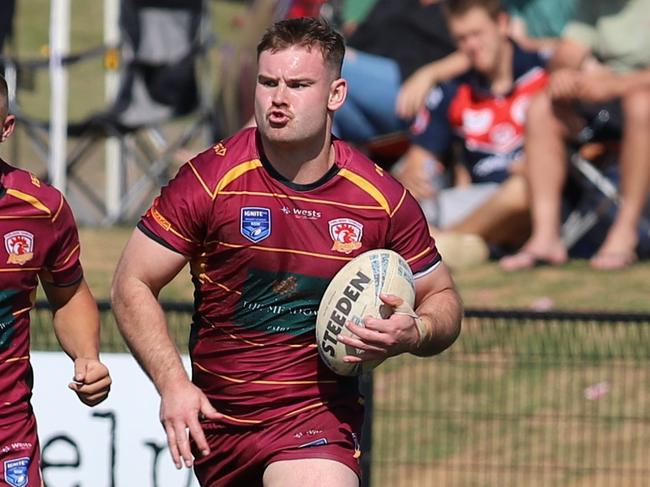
x=262, y=252
x=39, y=238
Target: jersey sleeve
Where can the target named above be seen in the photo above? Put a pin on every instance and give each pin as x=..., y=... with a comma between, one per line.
x=176, y=217
x=62, y=266
x=409, y=236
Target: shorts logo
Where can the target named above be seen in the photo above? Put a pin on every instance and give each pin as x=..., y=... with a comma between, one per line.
x=19, y=246
x=16, y=472
x=346, y=234
x=255, y=223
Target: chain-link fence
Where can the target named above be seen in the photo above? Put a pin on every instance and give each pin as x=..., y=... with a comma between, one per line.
x=522, y=399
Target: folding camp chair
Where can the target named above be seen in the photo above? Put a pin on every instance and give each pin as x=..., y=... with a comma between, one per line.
x=593, y=170
x=162, y=45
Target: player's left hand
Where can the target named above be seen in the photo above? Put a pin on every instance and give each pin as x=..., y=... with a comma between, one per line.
x=91, y=381
x=379, y=338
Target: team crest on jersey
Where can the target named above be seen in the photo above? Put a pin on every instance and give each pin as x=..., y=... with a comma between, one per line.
x=255, y=223
x=19, y=246
x=16, y=472
x=346, y=234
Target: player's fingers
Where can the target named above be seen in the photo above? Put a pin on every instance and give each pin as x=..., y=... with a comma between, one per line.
x=92, y=399
x=171, y=443
x=183, y=443
x=198, y=436
x=373, y=344
x=208, y=411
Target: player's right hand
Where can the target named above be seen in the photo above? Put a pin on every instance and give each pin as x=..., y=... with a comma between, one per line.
x=181, y=407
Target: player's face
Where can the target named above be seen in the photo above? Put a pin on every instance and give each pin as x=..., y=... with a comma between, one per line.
x=296, y=94
x=480, y=37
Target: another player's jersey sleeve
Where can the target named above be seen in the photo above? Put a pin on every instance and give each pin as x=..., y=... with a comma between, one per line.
x=62, y=265
x=176, y=219
x=409, y=236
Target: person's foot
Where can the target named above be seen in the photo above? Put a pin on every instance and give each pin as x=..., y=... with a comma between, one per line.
x=618, y=250
x=612, y=261
x=529, y=256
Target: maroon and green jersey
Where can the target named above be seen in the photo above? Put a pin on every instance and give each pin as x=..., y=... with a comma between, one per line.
x=262, y=251
x=39, y=238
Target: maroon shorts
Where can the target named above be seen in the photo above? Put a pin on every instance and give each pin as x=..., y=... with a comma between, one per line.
x=20, y=457
x=239, y=456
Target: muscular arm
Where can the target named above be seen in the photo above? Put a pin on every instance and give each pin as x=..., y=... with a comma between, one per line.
x=144, y=269
x=76, y=324
x=438, y=313
x=440, y=309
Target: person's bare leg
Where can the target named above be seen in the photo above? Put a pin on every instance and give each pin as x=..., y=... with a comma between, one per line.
x=312, y=472
x=546, y=170
x=618, y=250
x=504, y=218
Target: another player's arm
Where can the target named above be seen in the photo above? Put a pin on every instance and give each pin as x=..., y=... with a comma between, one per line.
x=76, y=324
x=144, y=269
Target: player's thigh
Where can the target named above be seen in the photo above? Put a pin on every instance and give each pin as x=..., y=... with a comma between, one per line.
x=312, y=472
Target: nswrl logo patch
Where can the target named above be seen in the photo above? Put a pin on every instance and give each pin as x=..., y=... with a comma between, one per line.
x=255, y=223
x=16, y=471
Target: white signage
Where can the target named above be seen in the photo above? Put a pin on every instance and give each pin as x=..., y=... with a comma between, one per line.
x=119, y=443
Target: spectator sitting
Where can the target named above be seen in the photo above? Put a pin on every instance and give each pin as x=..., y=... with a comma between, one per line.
x=396, y=38
x=603, y=60
x=485, y=108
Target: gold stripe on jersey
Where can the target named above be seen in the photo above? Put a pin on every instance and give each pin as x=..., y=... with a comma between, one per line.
x=255, y=344
x=69, y=256
x=301, y=198
x=227, y=178
x=207, y=278
x=166, y=225
x=283, y=251
x=16, y=359
x=16, y=313
x=367, y=186
x=21, y=269
x=399, y=205
x=247, y=421
x=306, y=408
x=426, y=251
x=290, y=413
x=265, y=382
x=28, y=198
x=23, y=217
x=58, y=211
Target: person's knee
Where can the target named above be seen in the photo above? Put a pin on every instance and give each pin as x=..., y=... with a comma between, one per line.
x=636, y=109
x=513, y=194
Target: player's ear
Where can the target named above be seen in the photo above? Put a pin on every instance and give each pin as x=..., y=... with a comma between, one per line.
x=337, y=95
x=7, y=127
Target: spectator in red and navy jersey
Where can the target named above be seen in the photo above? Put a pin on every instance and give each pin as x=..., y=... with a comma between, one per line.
x=266, y=218
x=40, y=242
x=485, y=110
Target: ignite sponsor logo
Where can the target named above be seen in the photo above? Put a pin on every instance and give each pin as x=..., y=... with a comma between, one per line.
x=255, y=223
x=16, y=471
x=19, y=246
x=346, y=234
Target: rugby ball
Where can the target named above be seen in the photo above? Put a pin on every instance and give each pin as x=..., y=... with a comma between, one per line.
x=352, y=294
